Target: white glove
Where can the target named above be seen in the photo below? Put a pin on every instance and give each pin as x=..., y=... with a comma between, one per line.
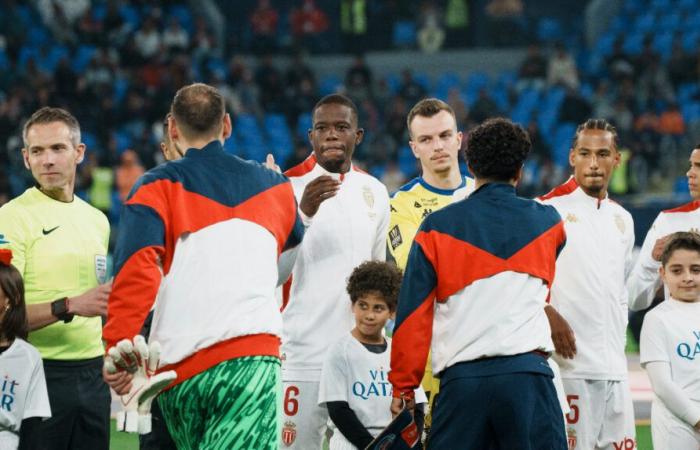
x=141, y=360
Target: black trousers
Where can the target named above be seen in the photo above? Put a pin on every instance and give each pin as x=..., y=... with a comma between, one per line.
x=80, y=407
x=159, y=437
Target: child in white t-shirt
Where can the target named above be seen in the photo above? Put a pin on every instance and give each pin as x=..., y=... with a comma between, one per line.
x=354, y=383
x=670, y=348
x=23, y=396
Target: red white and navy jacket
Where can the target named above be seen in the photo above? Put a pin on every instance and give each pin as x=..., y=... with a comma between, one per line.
x=476, y=284
x=211, y=227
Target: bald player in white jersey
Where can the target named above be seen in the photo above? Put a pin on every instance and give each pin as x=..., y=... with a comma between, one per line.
x=589, y=292
x=644, y=281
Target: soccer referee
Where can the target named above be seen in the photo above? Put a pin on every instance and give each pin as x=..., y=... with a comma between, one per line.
x=59, y=244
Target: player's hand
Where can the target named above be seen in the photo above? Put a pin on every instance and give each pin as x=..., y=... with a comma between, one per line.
x=92, y=303
x=659, y=246
x=121, y=382
x=562, y=334
x=270, y=163
x=316, y=192
x=130, y=369
x=398, y=404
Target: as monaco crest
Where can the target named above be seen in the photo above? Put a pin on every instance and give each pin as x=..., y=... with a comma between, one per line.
x=289, y=433
x=571, y=437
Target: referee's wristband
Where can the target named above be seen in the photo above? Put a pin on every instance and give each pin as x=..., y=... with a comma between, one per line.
x=59, y=309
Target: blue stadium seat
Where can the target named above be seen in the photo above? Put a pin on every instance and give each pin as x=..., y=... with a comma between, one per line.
x=663, y=43
x=279, y=136
x=501, y=97
x=393, y=81
x=183, y=15
x=444, y=83
x=561, y=143
x=404, y=33
x=477, y=81
x=690, y=40
x=549, y=29
x=645, y=22
x=661, y=5
x=123, y=141
x=669, y=22
x=330, y=84
x=423, y=80
x=304, y=123
x=82, y=57
x=691, y=112
x=130, y=15
x=4, y=61
x=634, y=43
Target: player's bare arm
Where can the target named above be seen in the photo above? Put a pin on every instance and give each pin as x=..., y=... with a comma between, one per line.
x=316, y=192
x=562, y=333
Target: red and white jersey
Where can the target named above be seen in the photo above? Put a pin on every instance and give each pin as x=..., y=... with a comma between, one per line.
x=589, y=287
x=644, y=280
x=347, y=230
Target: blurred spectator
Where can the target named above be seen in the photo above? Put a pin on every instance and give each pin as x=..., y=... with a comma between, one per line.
x=620, y=64
x=300, y=153
x=431, y=35
x=353, y=25
x=410, y=90
x=680, y=65
x=574, y=108
x=127, y=173
x=533, y=70
x=358, y=79
x=175, y=37
x=393, y=178
x=671, y=121
x=623, y=119
x=203, y=41
x=456, y=23
x=308, y=23
x=299, y=71
x=561, y=69
x=504, y=21
x=484, y=107
x=654, y=84
x=90, y=29
x=263, y=23
x=148, y=39
x=602, y=101
x=454, y=99
x=114, y=25
x=647, y=56
x=303, y=100
x=540, y=150
x=270, y=82
x=249, y=94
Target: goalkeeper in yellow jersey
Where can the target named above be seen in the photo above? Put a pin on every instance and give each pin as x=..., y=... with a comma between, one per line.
x=435, y=142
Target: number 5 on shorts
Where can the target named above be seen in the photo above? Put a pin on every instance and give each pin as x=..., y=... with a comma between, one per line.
x=291, y=404
x=572, y=417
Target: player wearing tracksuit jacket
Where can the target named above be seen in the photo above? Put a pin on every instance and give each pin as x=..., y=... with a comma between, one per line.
x=211, y=226
x=644, y=280
x=474, y=293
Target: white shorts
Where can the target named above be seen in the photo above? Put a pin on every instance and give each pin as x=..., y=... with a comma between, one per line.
x=338, y=442
x=668, y=432
x=601, y=415
x=303, y=421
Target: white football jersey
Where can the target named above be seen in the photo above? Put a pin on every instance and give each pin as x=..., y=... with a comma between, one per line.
x=347, y=230
x=644, y=280
x=589, y=286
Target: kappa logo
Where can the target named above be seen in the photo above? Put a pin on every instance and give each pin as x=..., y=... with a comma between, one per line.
x=417, y=205
x=395, y=237
x=289, y=433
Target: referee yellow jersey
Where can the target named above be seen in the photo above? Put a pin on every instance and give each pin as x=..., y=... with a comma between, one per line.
x=410, y=205
x=60, y=249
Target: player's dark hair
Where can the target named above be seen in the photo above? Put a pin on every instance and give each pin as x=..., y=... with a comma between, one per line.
x=198, y=110
x=375, y=277
x=336, y=99
x=428, y=107
x=14, y=322
x=49, y=115
x=681, y=240
x=166, y=137
x=497, y=149
x=595, y=124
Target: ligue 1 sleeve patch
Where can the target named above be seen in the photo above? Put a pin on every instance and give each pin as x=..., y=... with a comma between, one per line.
x=395, y=237
x=101, y=268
